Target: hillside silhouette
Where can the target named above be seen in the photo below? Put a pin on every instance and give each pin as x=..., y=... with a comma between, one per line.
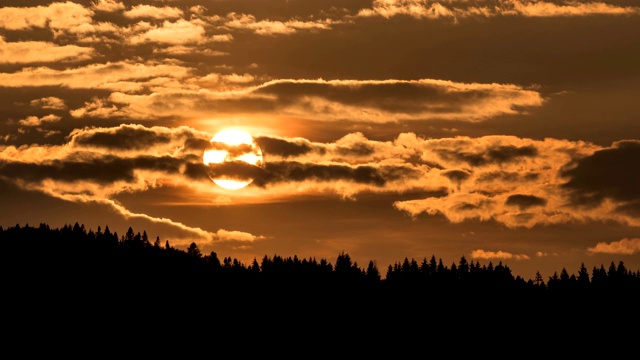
x=73, y=265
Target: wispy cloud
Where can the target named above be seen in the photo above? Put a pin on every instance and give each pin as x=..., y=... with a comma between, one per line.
x=497, y=255
x=455, y=10
x=25, y=52
x=270, y=27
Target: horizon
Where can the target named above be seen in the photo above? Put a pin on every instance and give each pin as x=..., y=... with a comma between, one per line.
x=128, y=239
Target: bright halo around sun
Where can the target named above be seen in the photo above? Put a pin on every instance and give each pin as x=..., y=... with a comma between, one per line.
x=232, y=158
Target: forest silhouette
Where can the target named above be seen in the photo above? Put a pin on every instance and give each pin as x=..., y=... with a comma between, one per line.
x=73, y=264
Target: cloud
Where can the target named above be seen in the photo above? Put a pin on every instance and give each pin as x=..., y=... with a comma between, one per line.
x=174, y=33
x=392, y=100
x=525, y=201
x=569, y=8
x=138, y=139
x=414, y=8
x=50, y=103
x=499, y=255
x=111, y=75
x=58, y=16
x=456, y=176
x=623, y=247
x=98, y=163
x=222, y=38
x=292, y=171
x=225, y=235
x=500, y=191
x=25, y=52
x=35, y=121
x=107, y=5
x=153, y=12
x=496, y=154
x=611, y=173
x=423, y=9
x=187, y=50
x=527, y=188
x=283, y=147
x=268, y=27
x=372, y=101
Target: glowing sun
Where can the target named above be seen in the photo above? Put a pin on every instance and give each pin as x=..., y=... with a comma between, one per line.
x=232, y=158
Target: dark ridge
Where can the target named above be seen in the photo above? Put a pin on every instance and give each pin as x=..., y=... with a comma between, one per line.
x=75, y=268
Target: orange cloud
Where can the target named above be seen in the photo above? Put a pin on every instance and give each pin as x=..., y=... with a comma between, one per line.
x=176, y=33
x=225, y=235
x=513, y=181
x=423, y=9
x=35, y=121
x=499, y=255
x=153, y=12
x=24, y=52
x=56, y=16
x=99, y=163
x=107, y=5
x=51, y=102
x=114, y=76
x=623, y=247
x=268, y=27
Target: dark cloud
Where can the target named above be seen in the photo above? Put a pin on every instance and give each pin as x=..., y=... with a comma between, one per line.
x=632, y=209
x=232, y=150
x=358, y=149
x=280, y=147
x=456, y=175
x=612, y=173
x=103, y=170
x=465, y=206
x=132, y=137
x=508, y=176
x=233, y=170
x=525, y=201
x=196, y=144
x=401, y=97
x=294, y=171
x=494, y=154
x=506, y=153
x=123, y=138
x=196, y=171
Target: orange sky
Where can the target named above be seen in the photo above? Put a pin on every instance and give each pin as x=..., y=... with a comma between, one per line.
x=498, y=130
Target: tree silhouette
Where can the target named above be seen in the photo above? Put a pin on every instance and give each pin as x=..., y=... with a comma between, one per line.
x=77, y=262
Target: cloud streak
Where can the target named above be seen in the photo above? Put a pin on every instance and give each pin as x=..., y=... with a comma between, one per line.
x=374, y=101
x=26, y=52
x=432, y=10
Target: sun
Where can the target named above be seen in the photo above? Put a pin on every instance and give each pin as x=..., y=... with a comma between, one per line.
x=232, y=158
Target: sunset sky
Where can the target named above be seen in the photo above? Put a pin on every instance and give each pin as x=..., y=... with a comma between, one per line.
x=497, y=130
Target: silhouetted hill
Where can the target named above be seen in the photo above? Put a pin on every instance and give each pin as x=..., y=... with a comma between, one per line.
x=72, y=267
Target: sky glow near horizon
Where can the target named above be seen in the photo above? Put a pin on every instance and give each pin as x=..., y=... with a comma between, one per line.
x=498, y=130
